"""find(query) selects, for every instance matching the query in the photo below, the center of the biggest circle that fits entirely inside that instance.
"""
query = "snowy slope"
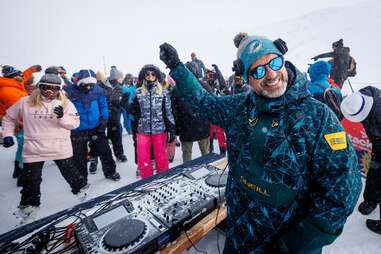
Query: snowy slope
(314, 33)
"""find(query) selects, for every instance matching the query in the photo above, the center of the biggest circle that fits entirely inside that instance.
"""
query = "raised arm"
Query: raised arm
(329, 54)
(207, 106)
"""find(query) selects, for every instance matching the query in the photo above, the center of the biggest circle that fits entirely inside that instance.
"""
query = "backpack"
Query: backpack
(352, 67)
(332, 100)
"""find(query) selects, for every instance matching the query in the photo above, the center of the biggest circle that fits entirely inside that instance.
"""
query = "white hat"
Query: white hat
(356, 107)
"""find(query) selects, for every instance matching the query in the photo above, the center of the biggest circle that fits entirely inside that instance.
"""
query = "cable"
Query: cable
(194, 246)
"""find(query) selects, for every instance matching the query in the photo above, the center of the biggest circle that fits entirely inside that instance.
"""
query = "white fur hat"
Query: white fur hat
(356, 107)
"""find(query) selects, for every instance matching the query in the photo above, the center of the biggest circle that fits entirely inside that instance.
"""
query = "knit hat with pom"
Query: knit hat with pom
(251, 48)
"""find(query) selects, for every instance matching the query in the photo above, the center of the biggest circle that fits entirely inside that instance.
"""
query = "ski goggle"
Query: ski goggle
(275, 64)
(45, 87)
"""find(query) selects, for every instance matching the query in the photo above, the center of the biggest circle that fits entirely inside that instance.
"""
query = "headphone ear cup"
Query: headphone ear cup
(281, 45)
(238, 67)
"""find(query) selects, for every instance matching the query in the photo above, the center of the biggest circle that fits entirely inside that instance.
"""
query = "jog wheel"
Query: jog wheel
(217, 180)
(123, 234)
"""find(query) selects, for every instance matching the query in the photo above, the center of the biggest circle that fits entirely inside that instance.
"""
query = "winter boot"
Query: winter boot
(121, 158)
(83, 192)
(26, 213)
(93, 165)
(374, 225)
(115, 176)
(367, 207)
(16, 170)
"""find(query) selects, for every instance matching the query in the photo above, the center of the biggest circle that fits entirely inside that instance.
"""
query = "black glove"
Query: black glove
(171, 136)
(101, 128)
(314, 58)
(215, 66)
(8, 141)
(59, 111)
(169, 56)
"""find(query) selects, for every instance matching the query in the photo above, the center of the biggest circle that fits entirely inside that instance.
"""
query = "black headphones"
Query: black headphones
(238, 66)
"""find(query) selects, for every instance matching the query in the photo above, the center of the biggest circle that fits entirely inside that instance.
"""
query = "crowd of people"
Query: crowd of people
(293, 177)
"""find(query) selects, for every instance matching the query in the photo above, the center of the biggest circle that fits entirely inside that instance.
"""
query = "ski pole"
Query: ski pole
(350, 85)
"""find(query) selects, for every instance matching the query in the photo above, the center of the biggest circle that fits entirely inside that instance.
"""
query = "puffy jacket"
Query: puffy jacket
(12, 90)
(91, 106)
(115, 94)
(319, 73)
(287, 190)
(152, 112)
(45, 136)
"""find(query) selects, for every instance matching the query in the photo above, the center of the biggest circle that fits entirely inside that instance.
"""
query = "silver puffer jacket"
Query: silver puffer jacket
(152, 111)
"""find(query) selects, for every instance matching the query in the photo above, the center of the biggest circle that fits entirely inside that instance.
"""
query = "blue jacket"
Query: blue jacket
(319, 73)
(91, 106)
(131, 90)
(290, 187)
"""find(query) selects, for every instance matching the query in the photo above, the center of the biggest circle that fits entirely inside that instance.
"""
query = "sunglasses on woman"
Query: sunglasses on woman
(275, 64)
(150, 73)
(45, 87)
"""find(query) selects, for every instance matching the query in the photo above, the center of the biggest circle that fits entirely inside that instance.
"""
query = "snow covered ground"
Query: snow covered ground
(56, 196)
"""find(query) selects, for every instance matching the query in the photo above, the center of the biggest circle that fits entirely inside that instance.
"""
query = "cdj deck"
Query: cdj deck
(142, 217)
(159, 212)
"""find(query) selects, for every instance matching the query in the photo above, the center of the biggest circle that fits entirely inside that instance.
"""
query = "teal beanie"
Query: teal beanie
(251, 48)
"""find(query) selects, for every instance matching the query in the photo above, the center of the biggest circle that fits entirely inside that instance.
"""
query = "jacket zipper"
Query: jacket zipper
(150, 111)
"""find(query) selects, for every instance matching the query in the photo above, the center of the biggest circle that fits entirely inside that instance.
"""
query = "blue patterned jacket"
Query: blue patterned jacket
(294, 193)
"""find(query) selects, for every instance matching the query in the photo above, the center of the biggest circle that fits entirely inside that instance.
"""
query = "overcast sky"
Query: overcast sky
(79, 34)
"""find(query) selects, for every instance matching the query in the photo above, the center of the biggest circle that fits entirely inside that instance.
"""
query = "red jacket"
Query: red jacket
(12, 90)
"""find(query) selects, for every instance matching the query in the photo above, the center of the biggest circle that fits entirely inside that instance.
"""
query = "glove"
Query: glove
(58, 111)
(215, 66)
(101, 128)
(8, 141)
(169, 55)
(171, 136)
(36, 68)
(314, 58)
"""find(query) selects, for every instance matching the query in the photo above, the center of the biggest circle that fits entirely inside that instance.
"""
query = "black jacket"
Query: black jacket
(189, 127)
(372, 124)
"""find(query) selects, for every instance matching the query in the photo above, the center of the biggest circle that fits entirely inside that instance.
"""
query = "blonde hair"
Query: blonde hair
(35, 98)
(158, 89)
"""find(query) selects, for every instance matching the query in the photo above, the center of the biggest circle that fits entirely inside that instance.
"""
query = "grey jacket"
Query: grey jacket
(152, 111)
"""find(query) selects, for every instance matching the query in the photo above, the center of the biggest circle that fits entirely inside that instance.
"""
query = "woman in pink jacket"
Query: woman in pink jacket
(48, 116)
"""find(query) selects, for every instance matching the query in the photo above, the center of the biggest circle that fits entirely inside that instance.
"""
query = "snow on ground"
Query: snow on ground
(56, 196)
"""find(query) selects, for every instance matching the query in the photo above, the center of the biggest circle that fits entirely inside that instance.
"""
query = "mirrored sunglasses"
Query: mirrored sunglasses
(275, 64)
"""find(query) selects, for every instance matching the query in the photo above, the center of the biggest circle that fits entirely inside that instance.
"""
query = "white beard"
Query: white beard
(277, 93)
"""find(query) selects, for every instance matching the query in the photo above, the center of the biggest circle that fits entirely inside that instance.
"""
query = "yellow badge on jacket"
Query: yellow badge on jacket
(337, 141)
